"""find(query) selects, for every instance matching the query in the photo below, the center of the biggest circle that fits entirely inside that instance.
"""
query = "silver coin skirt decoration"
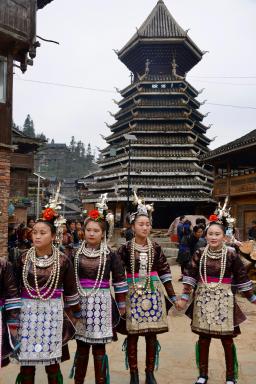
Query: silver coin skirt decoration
(95, 324)
(146, 310)
(213, 310)
(40, 333)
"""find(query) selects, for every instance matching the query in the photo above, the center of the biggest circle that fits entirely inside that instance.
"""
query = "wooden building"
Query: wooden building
(22, 168)
(17, 43)
(161, 111)
(235, 176)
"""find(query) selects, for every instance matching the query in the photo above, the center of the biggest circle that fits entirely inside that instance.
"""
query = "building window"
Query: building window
(3, 79)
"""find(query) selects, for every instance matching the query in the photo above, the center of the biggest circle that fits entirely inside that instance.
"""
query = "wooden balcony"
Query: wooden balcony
(22, 161)
(17, 26)
(235, 186)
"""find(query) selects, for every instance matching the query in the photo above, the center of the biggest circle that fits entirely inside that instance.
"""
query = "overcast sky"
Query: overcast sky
(88, 31)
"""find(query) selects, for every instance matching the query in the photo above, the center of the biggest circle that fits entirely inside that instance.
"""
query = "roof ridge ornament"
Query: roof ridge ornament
(174, 72)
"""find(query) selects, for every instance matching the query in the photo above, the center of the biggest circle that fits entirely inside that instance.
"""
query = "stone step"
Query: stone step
(170, 252)
(172, 260)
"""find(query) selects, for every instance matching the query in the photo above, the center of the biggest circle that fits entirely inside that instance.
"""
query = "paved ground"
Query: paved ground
(177, 363)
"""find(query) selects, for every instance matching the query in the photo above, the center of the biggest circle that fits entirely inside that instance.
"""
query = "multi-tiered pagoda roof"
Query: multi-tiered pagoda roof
(160, 108)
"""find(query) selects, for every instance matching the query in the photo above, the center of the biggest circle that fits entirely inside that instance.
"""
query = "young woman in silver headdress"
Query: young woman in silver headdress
(94, 263)
(47, 278)
(146, 314)
(215, 273)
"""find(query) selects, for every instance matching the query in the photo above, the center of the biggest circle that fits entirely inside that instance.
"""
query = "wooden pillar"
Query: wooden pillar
(5, 152)
(4, 199)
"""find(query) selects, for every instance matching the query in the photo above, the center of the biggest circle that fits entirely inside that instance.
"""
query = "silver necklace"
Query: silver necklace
(51, 284)
(103, 252)
(203, 265)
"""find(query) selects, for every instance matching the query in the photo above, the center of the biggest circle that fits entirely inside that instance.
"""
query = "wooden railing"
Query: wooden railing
(235, 185)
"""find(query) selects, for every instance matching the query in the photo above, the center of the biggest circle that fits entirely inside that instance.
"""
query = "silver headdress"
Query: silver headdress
(224, 217)
(55, 204)
(104, 214)
(142, 208)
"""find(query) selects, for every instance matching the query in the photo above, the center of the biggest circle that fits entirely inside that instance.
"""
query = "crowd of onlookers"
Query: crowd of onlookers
(19, 237)
(190, 238)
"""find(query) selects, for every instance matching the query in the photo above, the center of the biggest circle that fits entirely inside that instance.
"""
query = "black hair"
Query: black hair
(50, 224)
(140, 215)
(197, 227)
(200, 220)
(127, 218)
(216, 223)
(182, 217)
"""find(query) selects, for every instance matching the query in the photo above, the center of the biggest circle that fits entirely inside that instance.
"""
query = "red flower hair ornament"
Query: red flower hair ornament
(213, 218)
(94, 214)
(49, 214)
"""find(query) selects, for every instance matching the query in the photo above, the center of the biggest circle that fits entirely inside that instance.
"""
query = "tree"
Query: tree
(15, 126)
(72, 145)
(41, 136)
(82, 150)
(28, 127)
(89, 150)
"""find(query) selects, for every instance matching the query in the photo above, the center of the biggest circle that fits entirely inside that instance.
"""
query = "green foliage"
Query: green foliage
(70, 161)
(41, 136)
(28, 127)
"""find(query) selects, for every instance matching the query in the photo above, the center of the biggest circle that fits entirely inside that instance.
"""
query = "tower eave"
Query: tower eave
(185, 50)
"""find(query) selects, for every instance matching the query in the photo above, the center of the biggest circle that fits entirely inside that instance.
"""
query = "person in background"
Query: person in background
(12, 243)
(28, 230)
(80, 231)
(180, 228)
(200, 221)
(73, 231)
(184, 254)
(67, 241)
(252, 231)
(196, 239)
(128, 232)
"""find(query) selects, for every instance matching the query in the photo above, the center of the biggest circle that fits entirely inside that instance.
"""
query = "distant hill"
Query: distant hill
(61, 161)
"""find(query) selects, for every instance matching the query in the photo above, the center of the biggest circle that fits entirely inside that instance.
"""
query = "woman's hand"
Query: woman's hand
(122, 311)
(180, 305)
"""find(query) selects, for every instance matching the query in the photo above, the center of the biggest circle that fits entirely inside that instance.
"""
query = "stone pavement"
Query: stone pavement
(177, 361)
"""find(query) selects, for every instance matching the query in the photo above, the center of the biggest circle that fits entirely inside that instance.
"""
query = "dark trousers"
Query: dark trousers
(228, 345)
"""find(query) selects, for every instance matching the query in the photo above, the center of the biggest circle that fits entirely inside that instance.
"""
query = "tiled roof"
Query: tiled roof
(240, 143)
(43, 3)
(159, 24)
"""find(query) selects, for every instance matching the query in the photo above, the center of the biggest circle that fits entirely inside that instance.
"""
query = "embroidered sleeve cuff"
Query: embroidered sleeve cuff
(121, 304)
(244, 286)
(173, 298)
(71, 300)
(15, 303)
(121, 287)
(189, 280)
(185, 297)
(166, 277)
(252, 299)
(13, 323)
